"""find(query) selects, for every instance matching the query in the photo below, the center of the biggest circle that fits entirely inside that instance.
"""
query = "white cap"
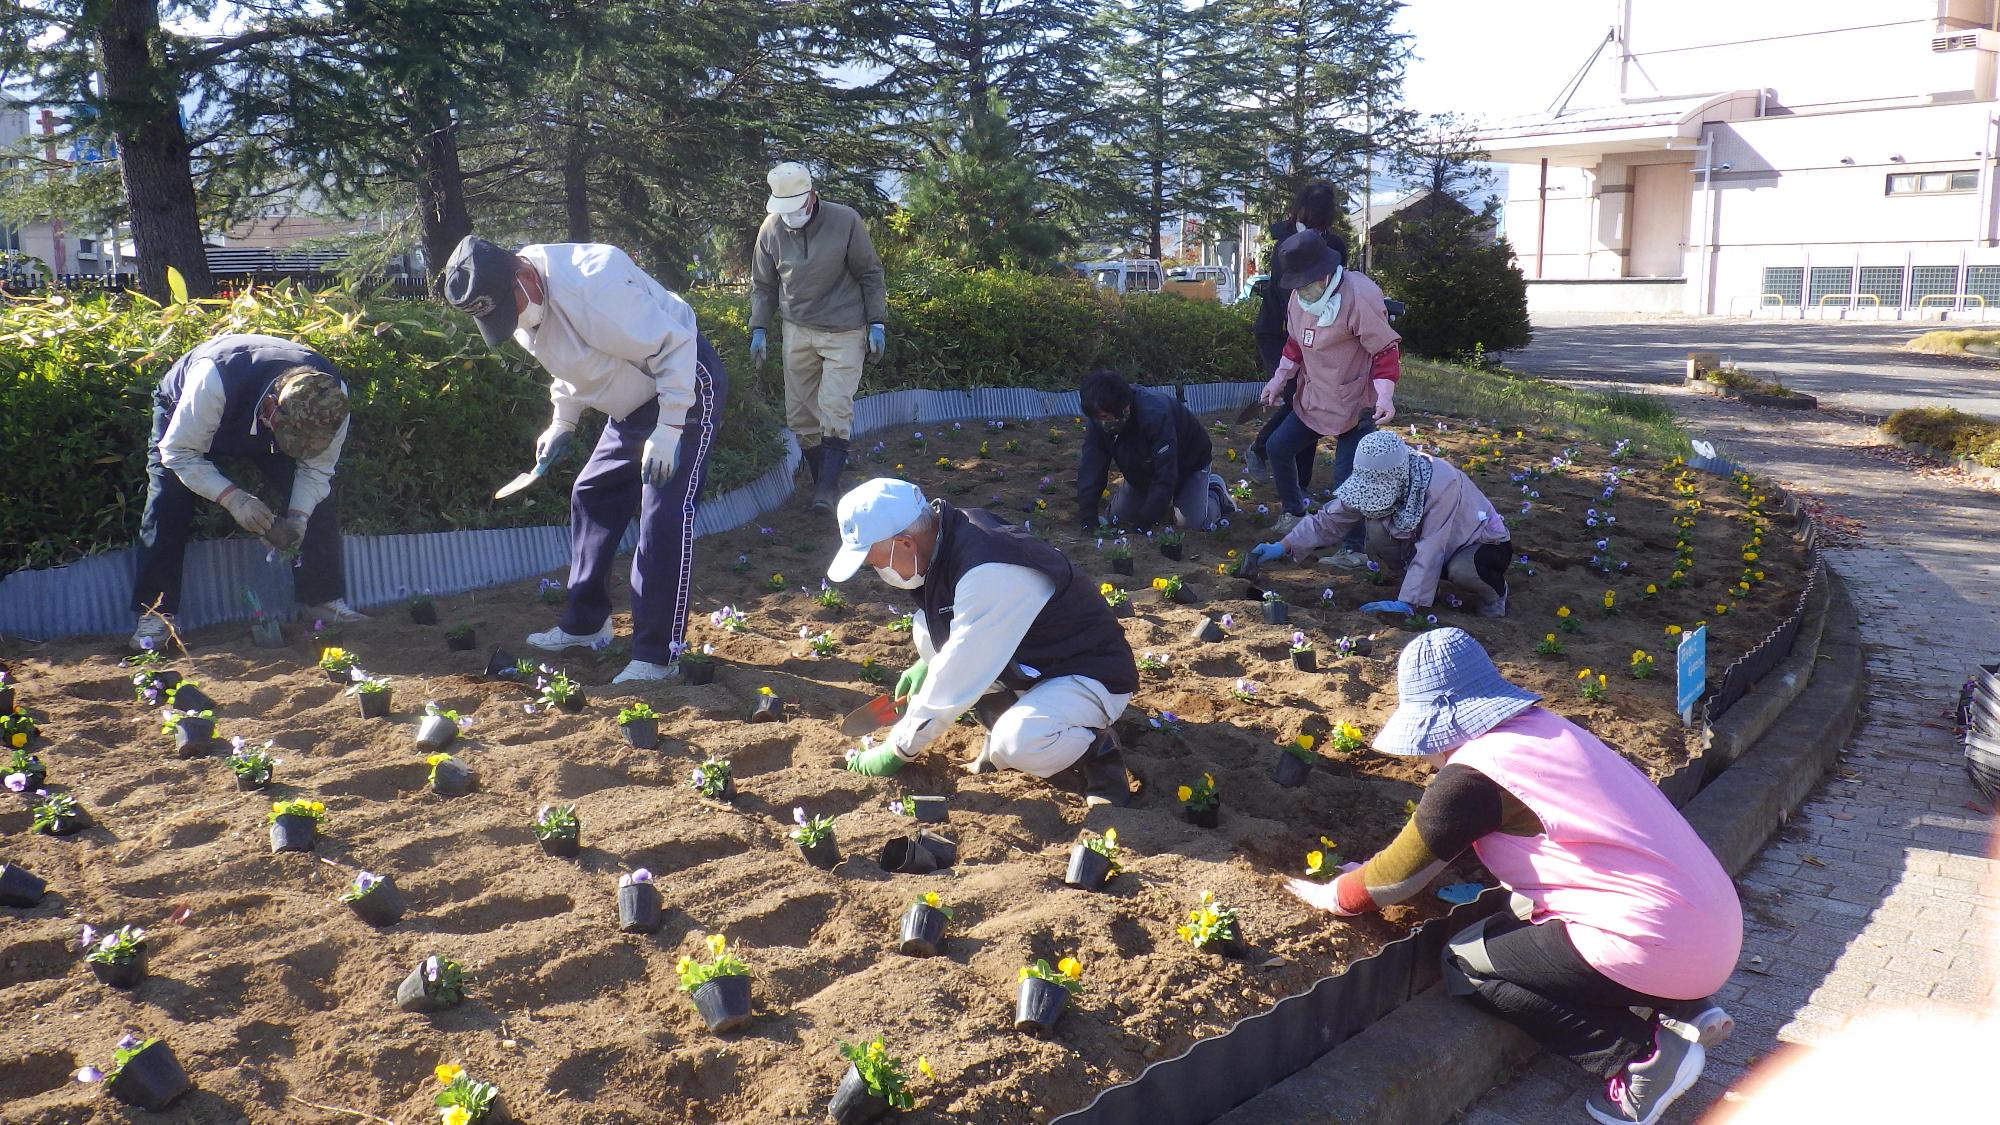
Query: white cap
(871, 512)
(790, 185)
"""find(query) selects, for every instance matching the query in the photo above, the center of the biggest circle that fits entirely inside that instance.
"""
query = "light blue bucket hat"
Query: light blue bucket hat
(1447, 693)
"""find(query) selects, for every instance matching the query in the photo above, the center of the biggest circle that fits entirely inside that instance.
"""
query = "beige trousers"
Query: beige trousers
(822, 372)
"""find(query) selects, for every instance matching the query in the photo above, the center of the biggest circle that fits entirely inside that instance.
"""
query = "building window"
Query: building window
(1884, 283)
(1787, 283)
(1932, 281)
(1983, 281)
(1933, 183)
(1833, 282)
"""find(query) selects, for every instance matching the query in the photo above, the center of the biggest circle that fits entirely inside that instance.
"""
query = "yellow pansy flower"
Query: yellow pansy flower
(1673, 630)
(764, 691)
(1104, 588)
(1208, 779)
(924, 1067)
(456, 1115)
(1314, 860)
(717, 944)
(1183, 792)
(1305, 741)
(1070, 967)
(19, 740)
(1583, 675)
(1330, 845)
(447, 1073)
(931, 899)
(1111, 835)
(434, 759)
(1562, 611)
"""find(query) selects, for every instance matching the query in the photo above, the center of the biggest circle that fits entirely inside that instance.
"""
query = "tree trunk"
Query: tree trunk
(440, 186)
(153, 151)
(575, 165)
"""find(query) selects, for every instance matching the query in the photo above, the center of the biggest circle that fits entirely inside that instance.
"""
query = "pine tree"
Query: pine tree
(978, 203)
(1171, 134)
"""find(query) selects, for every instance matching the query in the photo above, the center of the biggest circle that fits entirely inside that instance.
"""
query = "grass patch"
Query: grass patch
(1514, 399)
(1957, 341)
(1949, 431)
(1742, 382)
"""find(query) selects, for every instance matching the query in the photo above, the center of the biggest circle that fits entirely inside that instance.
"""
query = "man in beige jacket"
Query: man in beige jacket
(815, 265)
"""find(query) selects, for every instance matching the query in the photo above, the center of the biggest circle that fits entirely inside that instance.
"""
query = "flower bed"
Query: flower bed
(270, 966)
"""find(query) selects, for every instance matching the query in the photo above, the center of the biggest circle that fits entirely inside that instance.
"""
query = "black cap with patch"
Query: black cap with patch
(479, 279)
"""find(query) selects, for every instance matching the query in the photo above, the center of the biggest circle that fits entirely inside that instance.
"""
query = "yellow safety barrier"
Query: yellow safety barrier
(1771, 299)
(1850, 298)
(1950, 298)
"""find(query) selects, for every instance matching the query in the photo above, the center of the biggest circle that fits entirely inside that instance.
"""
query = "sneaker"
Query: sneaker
(1286, 523)
(557, 639)
(1703, 1021)
(1345, 559)
(644, 670)
(1499, 609)
(1257, 467)
(335, 612)
(1641, 1093)
(150, 635)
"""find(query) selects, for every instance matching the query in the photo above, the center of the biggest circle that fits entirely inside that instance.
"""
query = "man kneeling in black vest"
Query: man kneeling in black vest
(1006, 628)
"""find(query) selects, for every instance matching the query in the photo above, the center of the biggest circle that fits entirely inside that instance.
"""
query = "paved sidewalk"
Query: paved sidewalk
(1883, 892)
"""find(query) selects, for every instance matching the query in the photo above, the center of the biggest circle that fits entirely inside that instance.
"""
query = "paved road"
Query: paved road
(1884, 891)
(1854, 365)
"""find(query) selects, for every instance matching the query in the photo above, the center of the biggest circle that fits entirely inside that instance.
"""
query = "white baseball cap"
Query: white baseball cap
(790, 185)
(871, 512)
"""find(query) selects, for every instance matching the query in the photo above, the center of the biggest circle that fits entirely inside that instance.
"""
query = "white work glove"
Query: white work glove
(1385, 407)
(249, 512)
(554, 441)
(662, 454)
(287, 533)
(1273, 393)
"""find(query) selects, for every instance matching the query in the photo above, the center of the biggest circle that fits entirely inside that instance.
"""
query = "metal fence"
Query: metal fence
(227, 283)
(1881, 286)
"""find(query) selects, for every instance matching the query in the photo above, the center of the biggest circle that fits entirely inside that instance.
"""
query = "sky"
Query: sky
(1498, 58)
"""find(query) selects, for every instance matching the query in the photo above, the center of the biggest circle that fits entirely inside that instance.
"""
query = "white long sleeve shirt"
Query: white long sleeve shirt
(609, 336)
(191, 432)
(992, 609)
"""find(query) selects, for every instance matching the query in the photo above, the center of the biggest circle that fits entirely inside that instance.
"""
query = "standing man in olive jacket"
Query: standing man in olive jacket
(815, 265)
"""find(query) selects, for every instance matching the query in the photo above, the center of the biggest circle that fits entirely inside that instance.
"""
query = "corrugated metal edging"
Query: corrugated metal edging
(92, 595)
(1217, 1074)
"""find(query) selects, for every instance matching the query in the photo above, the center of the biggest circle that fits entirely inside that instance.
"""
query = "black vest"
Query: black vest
(249, 365)
(1074, 635)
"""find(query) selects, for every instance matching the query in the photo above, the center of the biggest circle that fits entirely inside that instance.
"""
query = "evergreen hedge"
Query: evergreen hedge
(440, 421)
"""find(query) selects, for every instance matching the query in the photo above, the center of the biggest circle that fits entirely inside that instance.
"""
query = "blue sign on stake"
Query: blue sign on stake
(1691, 668)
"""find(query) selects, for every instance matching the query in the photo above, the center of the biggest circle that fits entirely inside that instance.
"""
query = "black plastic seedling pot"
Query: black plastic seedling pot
(415, 994)
(1232, 947)
(1171, 550)
(824, 855)
(929, 810)
(1038, 1006)
(852, 1102)
(908, 856)
(338, 676)
(192, 699)
(69, 825)
(436, 732)
(36, 774)
(151, 1079)
(424, 614)
(1121, 566)
(698, 672)
(121, 974)
(1123, 610)
(1290, 771)
(1188, 596)
(374, 704)
(564, 847)
(923, 930)
(382, 906)
(465, 643)
(20, 888)
(639, 909)
(767, 709)
(250, 782)
(6, 701)
(1307, 661)
(1088, 869)
(193, 736)
(501, 664)
(451, 779)
(1204, 818)
(724, 1003)
(642, 733)
(574, 704)
(294, 833)
(1276, 613)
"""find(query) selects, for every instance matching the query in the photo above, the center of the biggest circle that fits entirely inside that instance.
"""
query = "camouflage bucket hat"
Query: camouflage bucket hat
(312, 406)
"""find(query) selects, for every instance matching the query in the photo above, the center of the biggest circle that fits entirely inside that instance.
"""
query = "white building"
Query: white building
(65, 249)
(1777, 159)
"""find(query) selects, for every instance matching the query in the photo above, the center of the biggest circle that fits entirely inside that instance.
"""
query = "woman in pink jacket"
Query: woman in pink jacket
(1622, 923)
(1424, 518)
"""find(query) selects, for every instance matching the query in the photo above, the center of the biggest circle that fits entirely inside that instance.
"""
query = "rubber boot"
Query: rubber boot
(833, 458)
(1101, 772)
(811, 455)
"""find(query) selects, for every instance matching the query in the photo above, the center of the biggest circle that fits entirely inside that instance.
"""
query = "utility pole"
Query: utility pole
(48, 121)
(1367, 171)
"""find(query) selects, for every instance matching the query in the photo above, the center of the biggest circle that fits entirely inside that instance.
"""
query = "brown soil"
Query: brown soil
(271, 992)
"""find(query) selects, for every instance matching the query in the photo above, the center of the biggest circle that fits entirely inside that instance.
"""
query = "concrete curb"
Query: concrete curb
(1966, 464)
(1743, 724)
(1433, 1057)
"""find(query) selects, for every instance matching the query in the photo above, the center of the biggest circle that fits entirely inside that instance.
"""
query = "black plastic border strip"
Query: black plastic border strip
(1217, 1074)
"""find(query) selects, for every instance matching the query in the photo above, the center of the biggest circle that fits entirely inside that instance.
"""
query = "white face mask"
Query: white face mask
(1325, 307)
(799, 218)
(895, 577)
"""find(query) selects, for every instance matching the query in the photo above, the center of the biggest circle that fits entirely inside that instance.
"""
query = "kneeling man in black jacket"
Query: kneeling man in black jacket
(1159, 446)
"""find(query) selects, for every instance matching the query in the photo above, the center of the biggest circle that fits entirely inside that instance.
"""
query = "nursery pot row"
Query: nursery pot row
(18, 887)
(923, 930)
(382, 906)
(151, 1079)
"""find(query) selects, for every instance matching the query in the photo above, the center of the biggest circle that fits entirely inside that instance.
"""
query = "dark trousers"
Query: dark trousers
(169, 517)
(1535, 979)
(1292, 449)
(610, 490)
(1270, 349)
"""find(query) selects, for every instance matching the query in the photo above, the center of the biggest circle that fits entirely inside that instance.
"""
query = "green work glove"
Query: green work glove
(879, 762)
(908, 683)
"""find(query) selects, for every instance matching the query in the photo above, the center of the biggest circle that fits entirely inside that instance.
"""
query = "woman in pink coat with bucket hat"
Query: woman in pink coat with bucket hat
(1621, 921)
